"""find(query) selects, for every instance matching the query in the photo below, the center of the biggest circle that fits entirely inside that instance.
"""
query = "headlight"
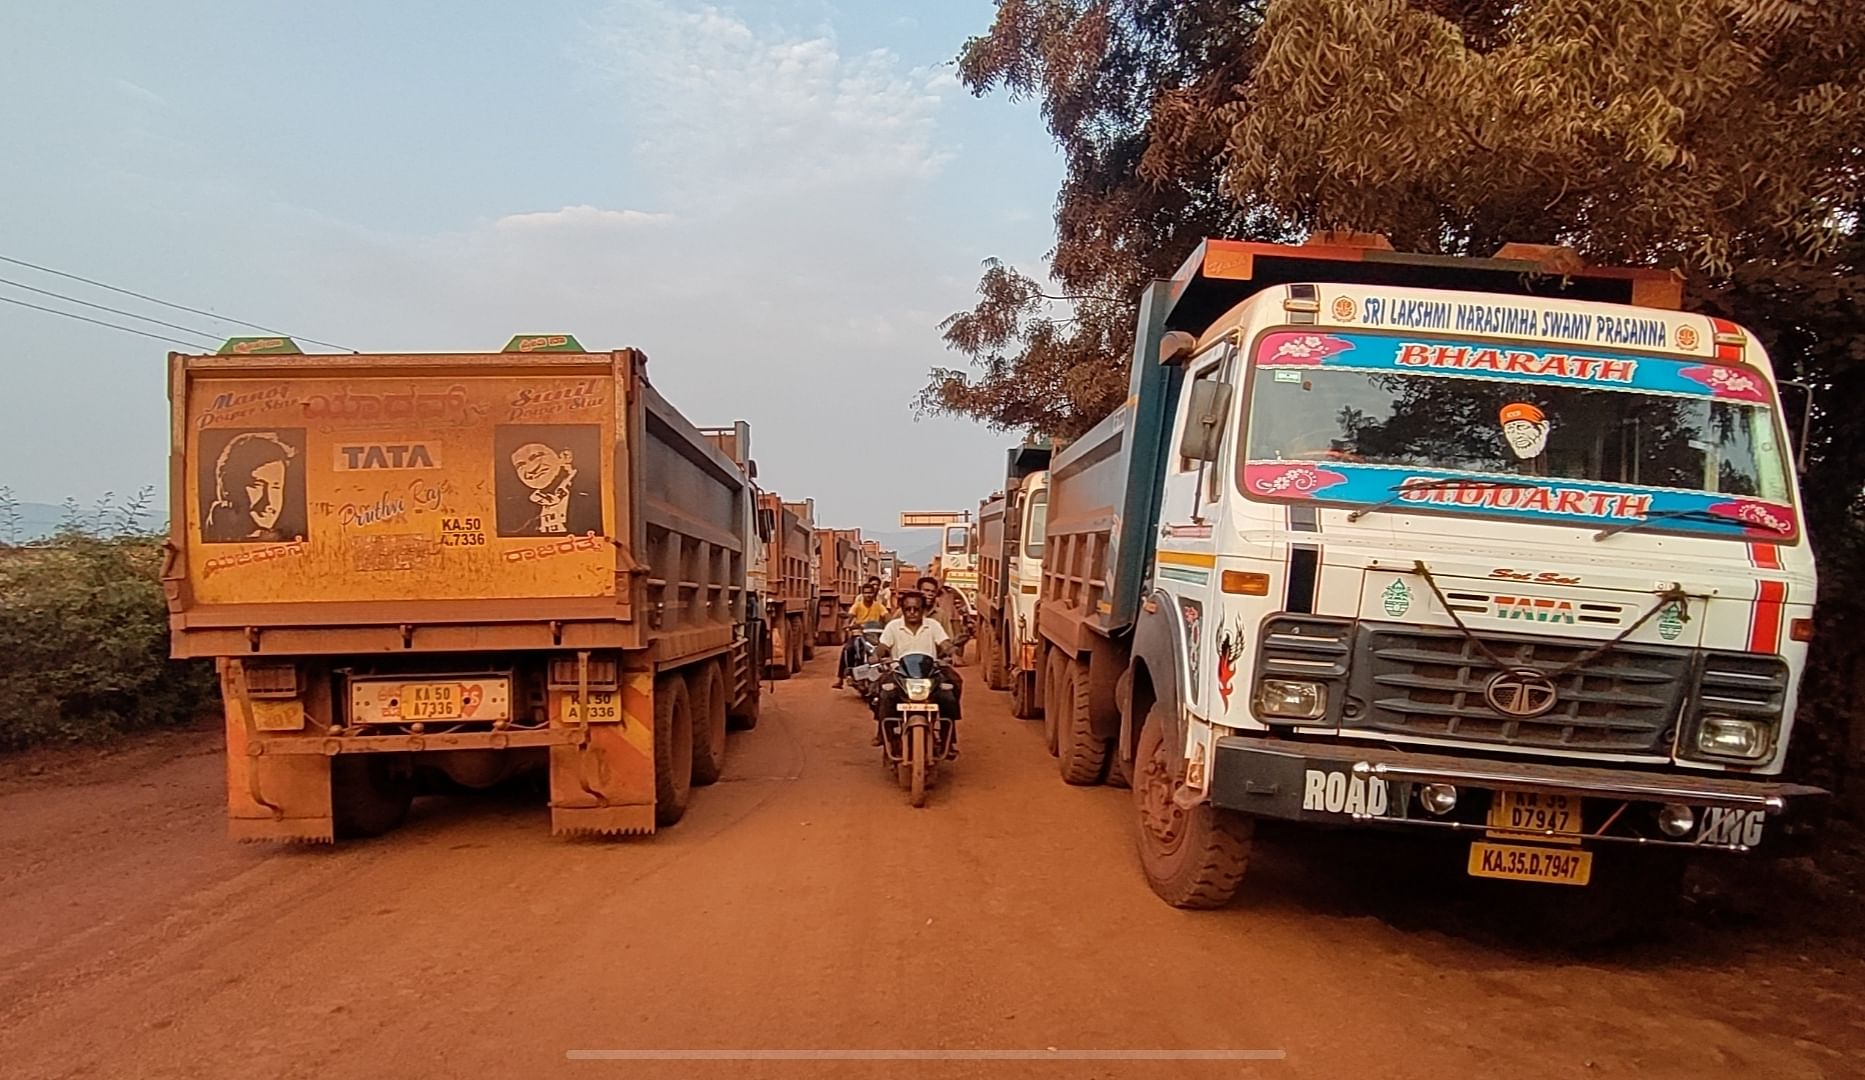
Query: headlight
(917, 689)
(1729, 736)
(1291, 699)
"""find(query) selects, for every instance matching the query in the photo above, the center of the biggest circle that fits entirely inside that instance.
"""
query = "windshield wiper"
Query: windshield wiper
(1401, 489)
(1663, 515)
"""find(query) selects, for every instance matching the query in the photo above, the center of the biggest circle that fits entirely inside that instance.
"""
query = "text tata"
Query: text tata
(1477, 358)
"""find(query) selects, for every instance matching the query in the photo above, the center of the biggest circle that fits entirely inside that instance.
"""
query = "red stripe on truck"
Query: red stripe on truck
(1764, 633)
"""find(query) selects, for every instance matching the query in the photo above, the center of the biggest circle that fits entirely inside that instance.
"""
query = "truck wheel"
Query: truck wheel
(992, 651)
(369, 794)
(673, 749)
(1053, 666)
(1023, 695)
(1082, 753)
(1192, 858)
(706, 689)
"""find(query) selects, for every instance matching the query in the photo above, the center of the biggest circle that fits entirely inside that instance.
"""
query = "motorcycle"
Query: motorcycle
(921, 734)
(862, 672)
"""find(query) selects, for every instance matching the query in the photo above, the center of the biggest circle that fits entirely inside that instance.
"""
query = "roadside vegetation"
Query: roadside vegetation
(84, 629)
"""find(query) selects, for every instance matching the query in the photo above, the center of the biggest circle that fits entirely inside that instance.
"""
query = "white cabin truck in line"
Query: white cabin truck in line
(1435, 544)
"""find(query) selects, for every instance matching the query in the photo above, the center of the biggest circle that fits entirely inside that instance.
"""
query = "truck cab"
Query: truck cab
(1411, 542)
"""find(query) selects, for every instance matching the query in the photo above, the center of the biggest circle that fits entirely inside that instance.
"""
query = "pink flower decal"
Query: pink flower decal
(1288, 479)
(1728, 382)
(1763, 518)
(1297, 348)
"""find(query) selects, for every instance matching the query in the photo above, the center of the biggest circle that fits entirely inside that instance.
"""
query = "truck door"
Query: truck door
(1186, 566)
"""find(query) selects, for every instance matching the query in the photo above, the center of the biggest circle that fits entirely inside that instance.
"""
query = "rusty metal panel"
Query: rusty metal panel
(353, 479)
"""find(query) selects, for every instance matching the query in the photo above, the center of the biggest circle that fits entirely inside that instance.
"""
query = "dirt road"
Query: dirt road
(802, 905)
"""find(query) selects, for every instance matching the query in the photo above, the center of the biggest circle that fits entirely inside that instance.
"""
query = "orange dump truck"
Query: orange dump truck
(464, 564)
(790, 594)
(840, 577)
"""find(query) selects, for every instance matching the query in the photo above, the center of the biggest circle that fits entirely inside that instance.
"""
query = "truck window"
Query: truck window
(957, 538)
(1033, 527)
(1663, 431)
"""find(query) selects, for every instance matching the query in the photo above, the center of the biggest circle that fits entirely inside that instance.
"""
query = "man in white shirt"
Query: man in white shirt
(912, 634)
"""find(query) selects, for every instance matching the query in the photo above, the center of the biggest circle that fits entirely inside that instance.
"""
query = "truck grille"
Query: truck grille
(1429, 681)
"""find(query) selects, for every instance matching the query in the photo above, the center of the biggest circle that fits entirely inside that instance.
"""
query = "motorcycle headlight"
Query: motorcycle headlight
(917, 689)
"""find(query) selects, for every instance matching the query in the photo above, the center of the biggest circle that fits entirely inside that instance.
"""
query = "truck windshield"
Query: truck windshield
(1610, 437)
(957, 538)
(1033, 529)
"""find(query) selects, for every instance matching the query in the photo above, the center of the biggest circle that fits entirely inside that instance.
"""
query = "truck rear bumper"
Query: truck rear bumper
(331, 746)
(1347, 784)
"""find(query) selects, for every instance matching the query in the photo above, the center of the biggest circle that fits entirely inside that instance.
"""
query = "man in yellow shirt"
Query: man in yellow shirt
(870, 608)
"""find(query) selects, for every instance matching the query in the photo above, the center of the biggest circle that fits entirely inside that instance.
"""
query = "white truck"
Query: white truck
(1476, 546)
(1010, 576)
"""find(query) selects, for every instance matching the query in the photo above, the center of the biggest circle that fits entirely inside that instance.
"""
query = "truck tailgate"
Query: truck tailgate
(339, 480)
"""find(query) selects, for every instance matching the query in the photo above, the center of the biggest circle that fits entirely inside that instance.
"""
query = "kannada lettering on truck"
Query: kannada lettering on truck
(1406, 542)
(403, 488)
(406, 564)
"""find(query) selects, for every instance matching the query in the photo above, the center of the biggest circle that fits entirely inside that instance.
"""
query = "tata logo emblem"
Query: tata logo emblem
(1535, 609)
(1521, 693)
(387, 456)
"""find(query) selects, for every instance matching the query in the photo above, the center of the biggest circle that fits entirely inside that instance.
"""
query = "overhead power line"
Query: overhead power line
(105, 307)
(100, 322)
(169, 304)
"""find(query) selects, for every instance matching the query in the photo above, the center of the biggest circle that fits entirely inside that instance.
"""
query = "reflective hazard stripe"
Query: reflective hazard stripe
(1764, 634)
(1765, 556)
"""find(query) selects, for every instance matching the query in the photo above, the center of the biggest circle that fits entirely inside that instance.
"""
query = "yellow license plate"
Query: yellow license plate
(430, 701)
(1535, 813)
(1513, 862)
(602, 707)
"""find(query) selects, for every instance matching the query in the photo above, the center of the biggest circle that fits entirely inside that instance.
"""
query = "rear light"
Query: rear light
(271, 680)
(604, 673)
(1800, 630)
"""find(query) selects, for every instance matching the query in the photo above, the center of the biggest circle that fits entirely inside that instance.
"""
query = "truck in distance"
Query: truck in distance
(1496, 548)
(468, 564)
(1010, 568)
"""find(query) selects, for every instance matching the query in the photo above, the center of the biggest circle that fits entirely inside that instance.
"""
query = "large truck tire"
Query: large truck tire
(1054, 664)
(1193, 858)
(369, 794)
(673, 749)
(1080, 753)
(1024, 703)
(705, 688)
(991, 649)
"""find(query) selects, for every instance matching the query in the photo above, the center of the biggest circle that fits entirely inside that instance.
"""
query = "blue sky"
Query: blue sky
(778, 201)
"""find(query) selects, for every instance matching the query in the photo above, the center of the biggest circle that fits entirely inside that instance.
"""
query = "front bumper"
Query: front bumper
(1345, 784)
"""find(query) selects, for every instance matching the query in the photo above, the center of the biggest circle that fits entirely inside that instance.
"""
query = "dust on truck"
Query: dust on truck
(791, 594)
(840, 564)
(470, 564)
(1504, 549)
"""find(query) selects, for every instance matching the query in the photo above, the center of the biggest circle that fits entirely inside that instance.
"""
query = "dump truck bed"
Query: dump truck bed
(443, 502)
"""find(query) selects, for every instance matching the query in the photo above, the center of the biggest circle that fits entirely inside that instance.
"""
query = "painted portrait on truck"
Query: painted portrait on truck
(252, 485)
(548, 479)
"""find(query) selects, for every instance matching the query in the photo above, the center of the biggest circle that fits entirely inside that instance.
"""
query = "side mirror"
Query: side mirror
(1806, 422)
(751, 469)
(767, 524)
(1204, 420)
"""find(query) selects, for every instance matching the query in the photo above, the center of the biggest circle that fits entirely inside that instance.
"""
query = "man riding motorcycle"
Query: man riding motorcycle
(912, 633)
(870, 609)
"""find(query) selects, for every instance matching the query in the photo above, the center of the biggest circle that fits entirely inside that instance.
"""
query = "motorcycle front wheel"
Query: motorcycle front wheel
(917, 755)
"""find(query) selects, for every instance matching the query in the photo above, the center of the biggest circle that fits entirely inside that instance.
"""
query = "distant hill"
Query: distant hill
(917, 546)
